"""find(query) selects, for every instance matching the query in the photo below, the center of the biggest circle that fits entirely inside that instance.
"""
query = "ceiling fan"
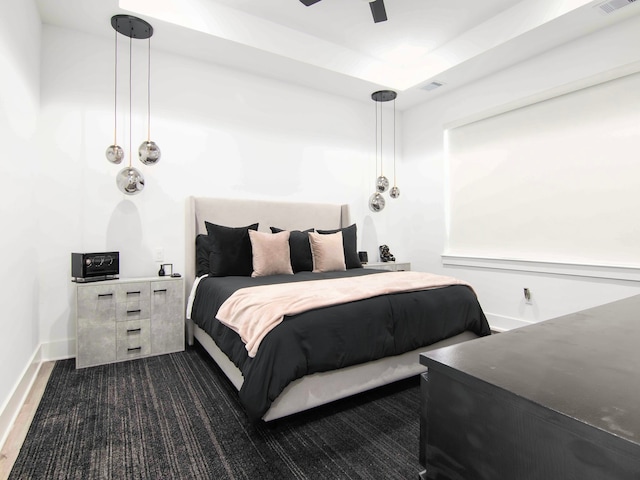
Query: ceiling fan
(377, 9)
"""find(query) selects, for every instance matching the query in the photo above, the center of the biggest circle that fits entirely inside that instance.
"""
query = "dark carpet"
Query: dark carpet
(177, 417)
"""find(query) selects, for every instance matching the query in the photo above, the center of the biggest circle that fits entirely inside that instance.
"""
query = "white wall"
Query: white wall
(501, 292)
(19, 242)
(222, 133)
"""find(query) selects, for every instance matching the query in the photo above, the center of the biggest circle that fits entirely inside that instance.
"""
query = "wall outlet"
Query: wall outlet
(159, 254)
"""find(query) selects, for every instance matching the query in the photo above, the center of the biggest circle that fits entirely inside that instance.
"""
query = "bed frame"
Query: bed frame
(311, 390)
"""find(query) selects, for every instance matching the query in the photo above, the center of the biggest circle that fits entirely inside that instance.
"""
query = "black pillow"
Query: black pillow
(230, 250)
(300, 249)
(203, 250)
(349, 244)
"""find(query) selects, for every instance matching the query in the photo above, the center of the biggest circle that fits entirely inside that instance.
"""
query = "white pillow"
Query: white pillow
(270, 253)
(327, 252)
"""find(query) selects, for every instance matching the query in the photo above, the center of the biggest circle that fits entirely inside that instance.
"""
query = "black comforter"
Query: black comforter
(333, 337)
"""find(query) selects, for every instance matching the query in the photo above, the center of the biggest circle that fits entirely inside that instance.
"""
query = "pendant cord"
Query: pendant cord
(376, 110)
(394, 142)
(381, 149)
(149, 92)
(130, 119)
(115, 91)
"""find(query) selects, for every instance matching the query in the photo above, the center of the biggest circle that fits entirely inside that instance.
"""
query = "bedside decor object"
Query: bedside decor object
(162, 272)
(130, 180)
(364, 257)
(93, 267)
(376, 200)
(385, 254)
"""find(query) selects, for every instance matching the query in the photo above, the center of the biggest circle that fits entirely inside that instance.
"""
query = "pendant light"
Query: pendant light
(376, 200)
(130, 180)
(149, 152)
(395, 191)
(114, 152)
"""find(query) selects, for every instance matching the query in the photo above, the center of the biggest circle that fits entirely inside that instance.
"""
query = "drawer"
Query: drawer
(133, 339)
(134, 309)
(132, 292)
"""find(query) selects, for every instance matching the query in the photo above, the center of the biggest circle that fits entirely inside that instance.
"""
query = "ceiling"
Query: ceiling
(335, 46)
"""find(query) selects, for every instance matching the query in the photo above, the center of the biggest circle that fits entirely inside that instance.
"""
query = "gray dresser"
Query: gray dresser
(119, 320)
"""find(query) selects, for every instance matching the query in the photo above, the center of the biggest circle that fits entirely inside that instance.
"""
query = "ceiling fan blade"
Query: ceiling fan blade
(308, 3)
(378, 11)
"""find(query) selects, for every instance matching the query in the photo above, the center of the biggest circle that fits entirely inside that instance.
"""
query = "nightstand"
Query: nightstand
(118, 320)
(392, 266)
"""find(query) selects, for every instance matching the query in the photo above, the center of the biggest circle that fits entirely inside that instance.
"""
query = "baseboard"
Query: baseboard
(50, 351)
(59, 350)
(12, 407)
(500, 323)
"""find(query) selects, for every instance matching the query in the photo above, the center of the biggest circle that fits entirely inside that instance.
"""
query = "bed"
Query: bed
(345, 371)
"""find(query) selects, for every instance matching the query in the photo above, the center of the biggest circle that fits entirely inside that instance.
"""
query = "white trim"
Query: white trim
(610, 272)
(500, 323)
(12, 406)
(58, 350)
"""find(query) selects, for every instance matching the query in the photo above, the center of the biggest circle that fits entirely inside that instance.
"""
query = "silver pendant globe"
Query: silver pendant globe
(376, 202)
(149, 153)
(130, 181)
(382, 184)
(115, 154)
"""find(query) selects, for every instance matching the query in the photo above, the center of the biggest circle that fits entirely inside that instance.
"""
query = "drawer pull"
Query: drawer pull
(164, 290)
(134, 349)
(133, 311)
(134, 293)
(134, 330)
(100, 295)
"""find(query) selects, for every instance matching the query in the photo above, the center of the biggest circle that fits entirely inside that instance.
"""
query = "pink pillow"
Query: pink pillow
(327, 252)
(270, 253)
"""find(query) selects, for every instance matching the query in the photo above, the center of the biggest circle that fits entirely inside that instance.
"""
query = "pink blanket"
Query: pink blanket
(253, 312)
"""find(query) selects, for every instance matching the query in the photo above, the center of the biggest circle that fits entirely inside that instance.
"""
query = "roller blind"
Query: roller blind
(558, 180)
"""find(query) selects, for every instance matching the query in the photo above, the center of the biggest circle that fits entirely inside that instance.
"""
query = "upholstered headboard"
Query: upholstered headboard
(238, 213)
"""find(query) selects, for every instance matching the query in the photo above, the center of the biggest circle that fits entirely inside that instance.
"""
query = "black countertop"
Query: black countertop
(584, 366)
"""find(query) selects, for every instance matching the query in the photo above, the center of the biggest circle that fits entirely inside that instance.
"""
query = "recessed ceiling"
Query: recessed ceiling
(334, 45)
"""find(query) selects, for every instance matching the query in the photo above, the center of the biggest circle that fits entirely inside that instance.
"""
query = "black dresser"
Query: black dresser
(558, 399)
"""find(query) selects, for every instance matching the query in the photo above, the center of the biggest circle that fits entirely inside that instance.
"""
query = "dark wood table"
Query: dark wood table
(559, 399)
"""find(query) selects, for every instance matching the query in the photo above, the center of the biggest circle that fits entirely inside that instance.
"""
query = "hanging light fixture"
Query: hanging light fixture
(149, 152)
(376, 200)
(395, 191)
(114, 152)
(130, 180)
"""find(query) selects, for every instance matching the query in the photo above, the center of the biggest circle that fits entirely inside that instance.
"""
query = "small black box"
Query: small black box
(91, 267)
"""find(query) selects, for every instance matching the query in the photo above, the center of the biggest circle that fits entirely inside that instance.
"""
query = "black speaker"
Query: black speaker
(363, 256)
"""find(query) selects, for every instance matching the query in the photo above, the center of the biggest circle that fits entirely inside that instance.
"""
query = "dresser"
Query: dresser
(118, 320)
(559, 399)
(391, 266)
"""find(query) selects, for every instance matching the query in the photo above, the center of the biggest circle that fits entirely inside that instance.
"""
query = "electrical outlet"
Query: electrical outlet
(527, 296)
(159, 254)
